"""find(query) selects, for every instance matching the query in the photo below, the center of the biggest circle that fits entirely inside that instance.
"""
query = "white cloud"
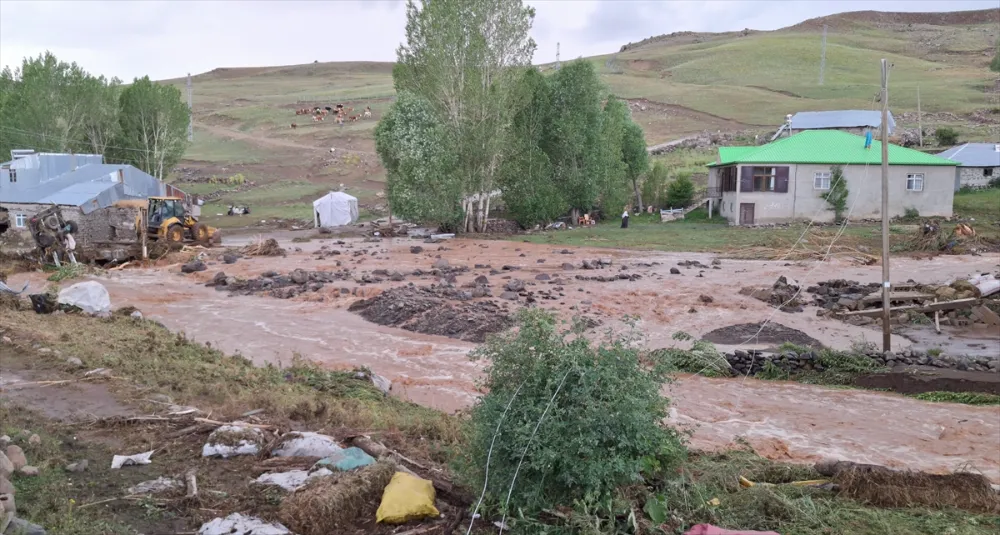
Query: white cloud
(168, 39)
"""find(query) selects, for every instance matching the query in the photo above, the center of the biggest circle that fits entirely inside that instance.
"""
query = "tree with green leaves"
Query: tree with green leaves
(422, 173)
(836, 196)
(153, 126)
(680, 191)
(529, 194)
(50, 105)
(635, 156)
(610, 166)
(573, 142)
(463, 58)
(652, 186)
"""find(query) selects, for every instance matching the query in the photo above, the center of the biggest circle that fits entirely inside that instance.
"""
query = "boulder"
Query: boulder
(90, 296)
(6, 487)
(416, 249)
(6, 467)
(20, 526)
(568, 267)
(229, 258)
(510, 296)
(441, 263)
(675, 271)
(29, 470)
(16, 456)
(299, 276)
(192, 267)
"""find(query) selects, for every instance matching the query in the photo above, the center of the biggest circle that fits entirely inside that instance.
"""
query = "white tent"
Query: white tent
(334, 209)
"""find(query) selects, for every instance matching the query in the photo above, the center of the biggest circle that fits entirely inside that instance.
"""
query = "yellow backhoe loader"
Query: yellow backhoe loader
(167, 218)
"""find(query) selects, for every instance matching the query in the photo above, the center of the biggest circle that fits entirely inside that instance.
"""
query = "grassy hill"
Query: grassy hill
(678, 84)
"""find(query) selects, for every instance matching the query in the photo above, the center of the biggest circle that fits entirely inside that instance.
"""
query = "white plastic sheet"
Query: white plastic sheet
(237, 524)
(245, 446)
(293, 479)
(308, 444)
(119, 461)
(90, 296)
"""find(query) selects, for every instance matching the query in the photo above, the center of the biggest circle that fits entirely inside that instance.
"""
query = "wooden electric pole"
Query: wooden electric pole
(920, 123)
(886, 335)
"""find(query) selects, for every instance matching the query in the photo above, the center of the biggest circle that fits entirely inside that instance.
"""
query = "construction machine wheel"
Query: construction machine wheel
(175, 233)
(199, 232)
(44, 240)
(51, 222)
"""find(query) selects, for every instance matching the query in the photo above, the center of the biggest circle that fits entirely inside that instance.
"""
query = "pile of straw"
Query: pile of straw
(330, 504)
(262, 247)
(882, 487)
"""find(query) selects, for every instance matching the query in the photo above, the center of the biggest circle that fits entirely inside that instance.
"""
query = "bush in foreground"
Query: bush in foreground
(575, 421)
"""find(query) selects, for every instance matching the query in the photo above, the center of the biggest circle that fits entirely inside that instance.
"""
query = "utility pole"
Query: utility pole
(190, 112)
(920, 124)
(886, 334)
(822, 57)
(557, 56)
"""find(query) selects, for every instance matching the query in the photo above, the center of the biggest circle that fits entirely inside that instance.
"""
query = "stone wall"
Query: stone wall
(95, 231)
(752, 362)
(975, 177)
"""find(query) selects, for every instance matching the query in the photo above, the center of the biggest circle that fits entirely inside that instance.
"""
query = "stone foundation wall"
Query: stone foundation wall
(975, 177)
(752, 362)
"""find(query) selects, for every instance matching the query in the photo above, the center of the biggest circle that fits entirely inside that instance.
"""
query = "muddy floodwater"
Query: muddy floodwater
(782, 421)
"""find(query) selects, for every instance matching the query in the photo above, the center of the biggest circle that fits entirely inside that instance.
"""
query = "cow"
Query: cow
(328, 109)
(353, 118)
(317, 118)
(294, 126)
(368, 112)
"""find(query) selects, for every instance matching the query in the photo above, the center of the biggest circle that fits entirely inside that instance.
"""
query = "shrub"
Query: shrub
(680, 192)
(588, 416)
(911, 214)
(995, 64)
(652, 187)
(836, 196)
(946, 136)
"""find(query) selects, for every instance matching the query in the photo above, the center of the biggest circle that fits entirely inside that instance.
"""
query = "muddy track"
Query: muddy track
(270, 141)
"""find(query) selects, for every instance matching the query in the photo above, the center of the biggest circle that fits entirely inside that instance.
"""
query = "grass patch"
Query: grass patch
(194, 374)
(52, 498)
(967, 398)
(208, 147)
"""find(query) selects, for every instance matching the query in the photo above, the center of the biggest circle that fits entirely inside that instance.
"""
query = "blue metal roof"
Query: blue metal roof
(974, 155)
(815, 120)
(102, 183)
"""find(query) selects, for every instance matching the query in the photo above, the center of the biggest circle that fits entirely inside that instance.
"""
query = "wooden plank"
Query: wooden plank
(898, 296)
(946, 305)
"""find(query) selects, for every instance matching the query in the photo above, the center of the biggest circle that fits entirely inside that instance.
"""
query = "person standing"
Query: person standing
(625, 218)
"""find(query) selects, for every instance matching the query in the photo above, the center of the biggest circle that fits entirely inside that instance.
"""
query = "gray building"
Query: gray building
(851, 121)
(978, 164)
(83, 185)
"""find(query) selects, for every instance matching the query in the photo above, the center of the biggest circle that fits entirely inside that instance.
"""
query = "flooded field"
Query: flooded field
(782, 421)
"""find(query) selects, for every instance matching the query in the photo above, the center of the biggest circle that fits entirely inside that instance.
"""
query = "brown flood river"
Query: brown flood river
(781, 420)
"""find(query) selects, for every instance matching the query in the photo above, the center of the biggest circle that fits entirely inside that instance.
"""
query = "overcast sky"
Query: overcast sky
(168, 39)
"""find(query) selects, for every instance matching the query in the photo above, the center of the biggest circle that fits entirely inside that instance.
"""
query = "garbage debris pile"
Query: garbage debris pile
(959, 303)
(962, 239)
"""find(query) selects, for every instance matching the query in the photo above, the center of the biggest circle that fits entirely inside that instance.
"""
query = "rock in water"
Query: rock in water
(192, 267)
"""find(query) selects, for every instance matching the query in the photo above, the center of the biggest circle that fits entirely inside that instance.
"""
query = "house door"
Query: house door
(746, 213)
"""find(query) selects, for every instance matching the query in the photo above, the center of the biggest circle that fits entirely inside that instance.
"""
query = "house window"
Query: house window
(915, 182)
(764, 178)
(20, 220)
(821, 181)
(13, 175)
(728, 178)
(988, 171)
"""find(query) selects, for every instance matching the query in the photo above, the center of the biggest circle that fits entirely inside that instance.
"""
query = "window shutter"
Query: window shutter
(781, 180)
(746, 178)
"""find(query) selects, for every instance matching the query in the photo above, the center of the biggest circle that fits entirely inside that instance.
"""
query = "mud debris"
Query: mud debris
(781, 295)
(437, 310)
(760, 333)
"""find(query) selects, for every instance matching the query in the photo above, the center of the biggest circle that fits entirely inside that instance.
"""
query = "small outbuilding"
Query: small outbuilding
(335, 209)
(978, 164)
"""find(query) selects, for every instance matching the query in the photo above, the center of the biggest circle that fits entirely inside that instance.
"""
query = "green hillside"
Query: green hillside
(678, 84)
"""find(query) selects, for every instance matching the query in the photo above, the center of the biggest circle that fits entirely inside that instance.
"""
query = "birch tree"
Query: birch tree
(153, 126)
(462, 57)
(636, 157)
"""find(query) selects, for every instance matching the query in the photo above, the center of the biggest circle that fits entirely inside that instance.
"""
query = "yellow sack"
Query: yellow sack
(406, 498)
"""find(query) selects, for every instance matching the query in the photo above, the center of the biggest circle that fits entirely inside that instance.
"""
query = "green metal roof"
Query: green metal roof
(831, 147)
(728, 155)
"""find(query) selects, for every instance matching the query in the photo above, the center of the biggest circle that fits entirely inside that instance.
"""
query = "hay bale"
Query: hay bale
(268, 247)
(882, 487)
(330, 504)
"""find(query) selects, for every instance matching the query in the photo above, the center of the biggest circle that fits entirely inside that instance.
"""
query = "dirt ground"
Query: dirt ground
(783, 421)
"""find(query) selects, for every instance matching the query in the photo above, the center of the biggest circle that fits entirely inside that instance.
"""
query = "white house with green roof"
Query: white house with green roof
(782, 181)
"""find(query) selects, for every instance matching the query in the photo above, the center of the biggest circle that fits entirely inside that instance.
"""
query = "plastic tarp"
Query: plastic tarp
(335, 209)
(308, 444)
(237, 524)
(91, 297)
(347, 460)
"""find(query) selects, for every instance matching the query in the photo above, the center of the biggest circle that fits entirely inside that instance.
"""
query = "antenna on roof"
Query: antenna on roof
(822, 57)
